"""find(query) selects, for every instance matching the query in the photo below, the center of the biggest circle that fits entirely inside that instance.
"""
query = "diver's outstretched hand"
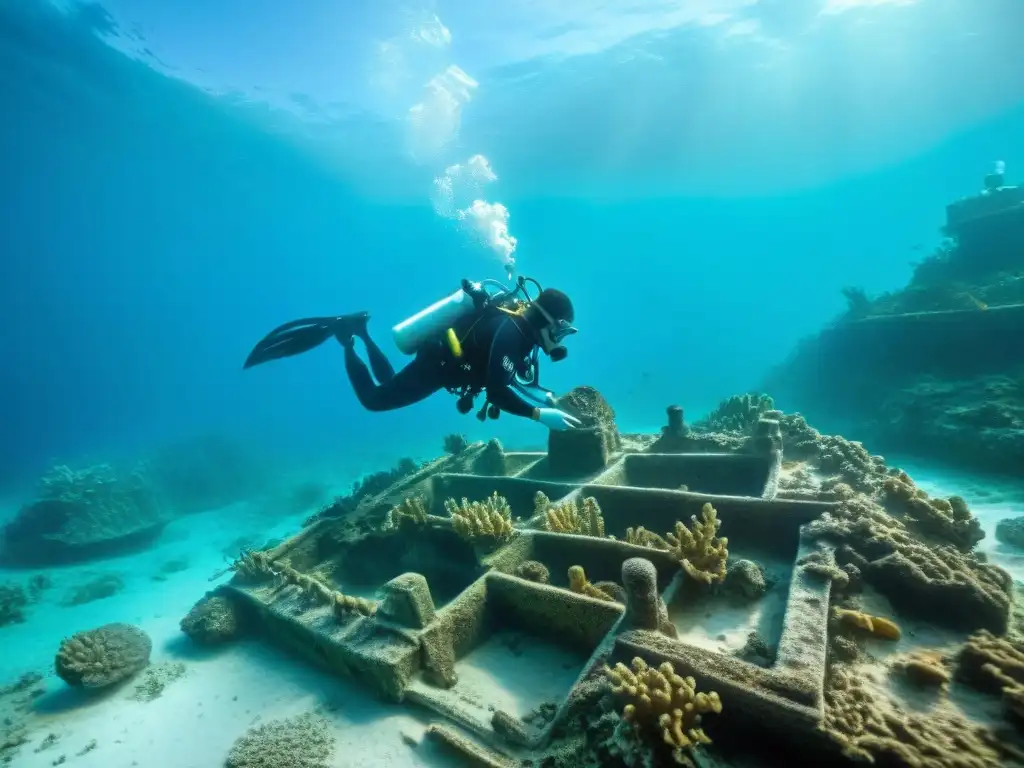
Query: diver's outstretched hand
(557, 420)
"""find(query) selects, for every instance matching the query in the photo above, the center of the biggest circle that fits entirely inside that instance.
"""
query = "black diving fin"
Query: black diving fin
(299, 336)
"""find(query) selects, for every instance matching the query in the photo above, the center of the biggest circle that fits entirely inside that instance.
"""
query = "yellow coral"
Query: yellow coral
(567, 517)
(317, 589)
(641, 537)
(660, 699)
(701, 553)
(491, 519)
(579, 583)
(877, 626)
(411, 513)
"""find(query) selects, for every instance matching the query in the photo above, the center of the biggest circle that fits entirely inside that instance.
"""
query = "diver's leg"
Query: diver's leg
(417, 381)
(379, 363)
(355, 325)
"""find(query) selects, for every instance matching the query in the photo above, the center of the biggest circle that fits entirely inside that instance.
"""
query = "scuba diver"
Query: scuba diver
(485, 337)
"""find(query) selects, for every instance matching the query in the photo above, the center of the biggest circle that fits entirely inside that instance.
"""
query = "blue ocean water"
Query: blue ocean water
(175, 182)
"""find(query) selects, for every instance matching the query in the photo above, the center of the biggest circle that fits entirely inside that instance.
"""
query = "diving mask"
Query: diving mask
(552, 334)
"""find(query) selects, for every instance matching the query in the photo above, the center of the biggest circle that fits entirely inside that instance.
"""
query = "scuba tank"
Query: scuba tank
(430, 323)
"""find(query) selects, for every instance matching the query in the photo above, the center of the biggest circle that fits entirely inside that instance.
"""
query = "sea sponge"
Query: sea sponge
(641, 537)
(702, 554)
(582, 520)
(489, 520)
(923, 668)
(746, 579)
(659, 700)
(877, 626)
(578, 583)
(103, 656)
(214, 619)
(298, 742)
(531, 570)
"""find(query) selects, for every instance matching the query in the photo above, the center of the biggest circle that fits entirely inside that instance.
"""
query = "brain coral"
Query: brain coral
(103, 656)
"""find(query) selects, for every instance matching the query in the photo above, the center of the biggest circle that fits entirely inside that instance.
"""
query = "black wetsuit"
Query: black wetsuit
(495, 347)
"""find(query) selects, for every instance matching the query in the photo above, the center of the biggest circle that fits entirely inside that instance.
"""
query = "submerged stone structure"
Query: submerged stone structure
(451, 570)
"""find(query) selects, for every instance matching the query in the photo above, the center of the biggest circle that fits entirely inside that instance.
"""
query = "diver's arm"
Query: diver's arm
(503, 359)
(535, 393)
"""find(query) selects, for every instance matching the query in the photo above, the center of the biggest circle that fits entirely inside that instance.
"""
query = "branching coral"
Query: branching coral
(701, 552)
(13, 600)
(579, 583)
(582, 520)
(411, 513)
(661, 700)
(490, 520)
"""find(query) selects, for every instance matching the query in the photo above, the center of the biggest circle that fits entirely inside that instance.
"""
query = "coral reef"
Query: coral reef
(213, 620)
(101, 657)
(973, 421)
(84, 513)
(97, 588)
(17, 714)
(156, 679)
(661, 702)
(581, 519)
(1010, 531)
(304, 741)
(702, 554)
(995, 665)
(579, 583)
(455, 443)
(699, 549)
(531, 570)
(940, 583)
(489, 522)
(947, 520)
(13, 601)
(871, 728)
(738, 413)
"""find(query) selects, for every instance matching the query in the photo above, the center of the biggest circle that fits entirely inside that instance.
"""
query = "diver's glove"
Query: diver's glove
(557, 420)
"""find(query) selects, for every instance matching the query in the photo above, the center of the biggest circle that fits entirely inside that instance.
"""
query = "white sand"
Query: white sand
(197, 718)
(517, 682)
(723, 623)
